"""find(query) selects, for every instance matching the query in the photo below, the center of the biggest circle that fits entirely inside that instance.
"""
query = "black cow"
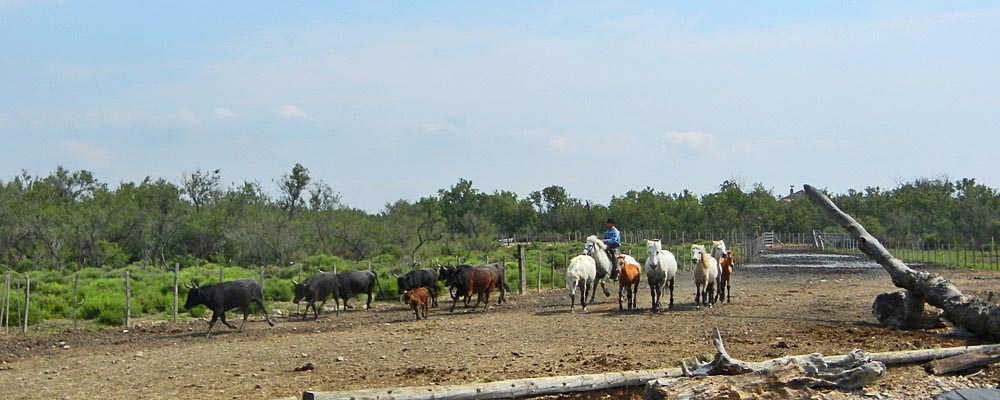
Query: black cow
(353, 283)
(316, 289)
(419, 278)
(227, 296)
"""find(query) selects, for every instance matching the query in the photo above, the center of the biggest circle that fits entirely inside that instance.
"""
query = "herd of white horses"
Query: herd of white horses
(712, 271)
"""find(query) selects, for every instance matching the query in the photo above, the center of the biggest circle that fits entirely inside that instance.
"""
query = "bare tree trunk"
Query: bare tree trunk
(974, 315)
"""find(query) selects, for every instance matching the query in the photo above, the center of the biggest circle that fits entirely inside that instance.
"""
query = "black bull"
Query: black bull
(343, 286)
(426, 277)
(225, 296)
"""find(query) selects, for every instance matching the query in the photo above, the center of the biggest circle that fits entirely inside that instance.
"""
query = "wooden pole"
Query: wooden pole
(552, 274)
(128, 298)
(522, 280)
(76, 286)
(220, 273)
(177, 275)
(539, 285)
(27, 299)
(6, 304)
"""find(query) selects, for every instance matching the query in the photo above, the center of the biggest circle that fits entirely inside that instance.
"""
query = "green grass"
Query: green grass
(101, 293)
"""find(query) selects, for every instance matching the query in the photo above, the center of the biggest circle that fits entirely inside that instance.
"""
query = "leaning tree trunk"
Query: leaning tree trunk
(974, 315)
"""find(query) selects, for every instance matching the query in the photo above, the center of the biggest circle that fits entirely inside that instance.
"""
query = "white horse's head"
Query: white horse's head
(588, 248)
(697, 252)
(596, 242)
(653, 248)
(719, 249)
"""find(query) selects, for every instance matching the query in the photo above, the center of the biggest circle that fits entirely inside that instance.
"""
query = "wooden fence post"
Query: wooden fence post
(552, 274)
(76, 285)
(220, 273)
(27, 300)
(6, 304)
(522, 280)
(177, 273)
(128, 298)
(539, 285)
(262, 274)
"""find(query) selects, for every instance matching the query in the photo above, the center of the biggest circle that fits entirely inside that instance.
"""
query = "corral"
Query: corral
(786, 303)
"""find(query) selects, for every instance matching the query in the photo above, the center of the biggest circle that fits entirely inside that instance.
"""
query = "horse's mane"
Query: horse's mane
(655, 243)
(597, 242)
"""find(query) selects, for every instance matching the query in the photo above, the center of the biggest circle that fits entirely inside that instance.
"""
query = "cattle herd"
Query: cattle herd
(420, 288)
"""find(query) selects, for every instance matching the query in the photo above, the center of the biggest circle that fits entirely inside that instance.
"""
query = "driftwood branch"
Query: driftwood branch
(976, 316)
(585, 383)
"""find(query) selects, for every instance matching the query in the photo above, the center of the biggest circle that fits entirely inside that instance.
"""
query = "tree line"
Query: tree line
(70, 220)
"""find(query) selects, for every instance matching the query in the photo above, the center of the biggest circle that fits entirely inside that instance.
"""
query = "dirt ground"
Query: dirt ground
(788, 304)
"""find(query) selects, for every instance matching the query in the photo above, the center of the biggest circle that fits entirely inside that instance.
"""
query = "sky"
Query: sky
(396, 100)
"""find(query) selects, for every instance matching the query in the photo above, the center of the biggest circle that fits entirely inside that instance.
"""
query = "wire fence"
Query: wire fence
(973, 254)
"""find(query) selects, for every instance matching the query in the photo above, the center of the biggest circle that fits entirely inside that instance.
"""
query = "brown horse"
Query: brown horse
(727, 264)
(628, 281)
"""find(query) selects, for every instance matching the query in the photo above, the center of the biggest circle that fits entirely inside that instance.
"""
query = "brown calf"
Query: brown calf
(418, 298)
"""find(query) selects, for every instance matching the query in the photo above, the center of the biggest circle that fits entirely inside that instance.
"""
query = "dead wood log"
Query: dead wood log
(792, 378)
(584, 383)
(722, 364)
(976, 316)
(962, 362)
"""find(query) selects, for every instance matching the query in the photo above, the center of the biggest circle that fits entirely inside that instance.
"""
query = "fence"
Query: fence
(961, 254)
(117, 297)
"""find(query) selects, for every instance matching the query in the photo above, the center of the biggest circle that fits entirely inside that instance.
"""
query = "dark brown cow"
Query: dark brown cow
(478, 280)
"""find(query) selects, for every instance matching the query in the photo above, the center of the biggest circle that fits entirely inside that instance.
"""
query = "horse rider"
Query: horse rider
(613, 239)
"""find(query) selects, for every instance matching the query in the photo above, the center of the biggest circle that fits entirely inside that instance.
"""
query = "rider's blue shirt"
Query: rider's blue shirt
(612, 236)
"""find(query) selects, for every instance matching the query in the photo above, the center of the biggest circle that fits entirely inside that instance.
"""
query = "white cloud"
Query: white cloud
(224, 113)
(444, 126)
(560, 143)
(85, 151)
(187, 116)
(290, 111)
(692, 139)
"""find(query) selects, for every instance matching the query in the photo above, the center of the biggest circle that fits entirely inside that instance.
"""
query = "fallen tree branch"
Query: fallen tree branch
(979, 317)
(590, 382)
(962, 362)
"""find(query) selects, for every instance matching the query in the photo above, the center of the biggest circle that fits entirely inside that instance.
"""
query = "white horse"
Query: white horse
(661, 268)
(596, 248)
(706, 273)
(718, 253)
(581, 273)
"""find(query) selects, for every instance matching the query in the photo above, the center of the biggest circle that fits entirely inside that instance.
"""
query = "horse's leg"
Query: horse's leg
(592, 286)
(368, 306)
(607, 293)
(710, 293)
(671, 283)
(583, 300)
(635, 293)
(621, 294)
(697, 294)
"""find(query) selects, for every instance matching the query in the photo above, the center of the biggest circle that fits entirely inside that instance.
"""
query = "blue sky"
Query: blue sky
(387, 100)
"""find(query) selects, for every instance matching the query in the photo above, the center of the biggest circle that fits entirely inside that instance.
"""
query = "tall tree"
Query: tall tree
(292, 186)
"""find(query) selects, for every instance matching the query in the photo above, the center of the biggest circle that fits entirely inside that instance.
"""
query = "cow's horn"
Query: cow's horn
(294, 282)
